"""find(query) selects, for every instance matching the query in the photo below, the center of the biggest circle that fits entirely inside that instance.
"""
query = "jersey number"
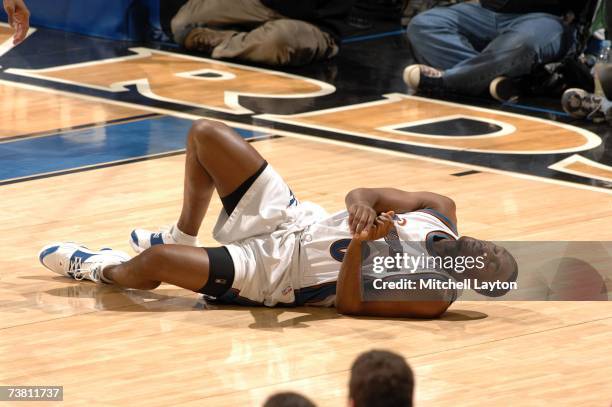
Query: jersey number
(337, 250)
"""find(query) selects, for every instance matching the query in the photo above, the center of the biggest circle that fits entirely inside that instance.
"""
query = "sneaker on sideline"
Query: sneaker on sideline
(581, 104)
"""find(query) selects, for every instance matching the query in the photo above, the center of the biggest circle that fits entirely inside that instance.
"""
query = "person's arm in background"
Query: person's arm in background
(18, 18)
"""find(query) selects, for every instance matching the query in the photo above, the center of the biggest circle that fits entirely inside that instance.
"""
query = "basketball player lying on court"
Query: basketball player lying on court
(277, 250)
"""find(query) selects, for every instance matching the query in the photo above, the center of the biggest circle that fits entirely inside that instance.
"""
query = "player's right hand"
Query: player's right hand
(361, 217)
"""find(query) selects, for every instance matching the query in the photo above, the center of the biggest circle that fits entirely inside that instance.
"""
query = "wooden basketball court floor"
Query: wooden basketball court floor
(167, 347)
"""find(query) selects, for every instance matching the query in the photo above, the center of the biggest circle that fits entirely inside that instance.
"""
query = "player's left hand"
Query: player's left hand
(380, 228)
(18, 18)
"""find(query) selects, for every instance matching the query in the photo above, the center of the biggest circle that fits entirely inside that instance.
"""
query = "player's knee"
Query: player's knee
(206, 131)
(203, 127)
(150, 261)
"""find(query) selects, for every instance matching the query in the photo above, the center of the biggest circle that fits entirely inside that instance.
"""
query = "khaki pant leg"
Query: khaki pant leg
(219, 13)
(279, 42)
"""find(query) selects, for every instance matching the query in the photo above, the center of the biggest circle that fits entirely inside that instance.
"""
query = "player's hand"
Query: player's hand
(18, 18)
(380, 228)
(361, 217)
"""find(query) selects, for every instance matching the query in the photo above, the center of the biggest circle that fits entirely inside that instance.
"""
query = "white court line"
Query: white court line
(231, 98)
(8, 45)
(592, 140)
(267, 130)
(562, 165)
(505, 128)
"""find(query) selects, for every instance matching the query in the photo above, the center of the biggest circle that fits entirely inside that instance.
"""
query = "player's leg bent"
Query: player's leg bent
(225, 156)
(217, 158)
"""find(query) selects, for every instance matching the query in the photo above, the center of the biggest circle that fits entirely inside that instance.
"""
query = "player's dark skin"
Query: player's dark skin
(218, 158)
(371, 213)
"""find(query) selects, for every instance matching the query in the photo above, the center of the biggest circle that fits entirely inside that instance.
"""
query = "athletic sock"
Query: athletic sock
(181, 237)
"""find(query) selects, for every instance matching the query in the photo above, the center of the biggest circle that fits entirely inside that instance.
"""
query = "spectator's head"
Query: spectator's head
(288, 399)
(381, 378)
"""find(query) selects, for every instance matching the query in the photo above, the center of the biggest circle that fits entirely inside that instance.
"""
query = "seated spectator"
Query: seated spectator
(274, 32)
(380, 379)
(471, 47)
(288, 399)
(581, 104)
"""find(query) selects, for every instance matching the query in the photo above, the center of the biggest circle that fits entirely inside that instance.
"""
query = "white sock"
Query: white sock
(181, 237)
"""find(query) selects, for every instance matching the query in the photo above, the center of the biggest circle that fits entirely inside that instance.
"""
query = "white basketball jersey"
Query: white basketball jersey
(323, 244)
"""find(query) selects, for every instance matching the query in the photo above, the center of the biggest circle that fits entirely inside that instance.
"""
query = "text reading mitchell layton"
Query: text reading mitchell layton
(406, 263)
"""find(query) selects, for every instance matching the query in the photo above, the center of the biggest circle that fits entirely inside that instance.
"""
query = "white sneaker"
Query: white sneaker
(78, 262)
(581, 104)
(142, 239)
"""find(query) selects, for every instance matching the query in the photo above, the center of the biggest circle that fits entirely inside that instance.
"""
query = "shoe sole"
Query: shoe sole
(408, 79)
(495, 94)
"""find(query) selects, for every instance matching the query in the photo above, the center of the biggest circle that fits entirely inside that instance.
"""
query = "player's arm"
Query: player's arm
(363, 204)
(349, 299)
(18, 18)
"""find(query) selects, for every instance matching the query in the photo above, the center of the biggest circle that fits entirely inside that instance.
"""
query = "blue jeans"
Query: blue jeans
(474, 45)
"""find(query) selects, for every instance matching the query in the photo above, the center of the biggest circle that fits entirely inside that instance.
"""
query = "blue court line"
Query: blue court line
(348, 40)
(372, 36)
(536, 109)
(67, 151)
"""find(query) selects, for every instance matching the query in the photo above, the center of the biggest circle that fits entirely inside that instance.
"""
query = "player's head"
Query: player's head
(498, 264)
(288, 399)
(380, 378)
